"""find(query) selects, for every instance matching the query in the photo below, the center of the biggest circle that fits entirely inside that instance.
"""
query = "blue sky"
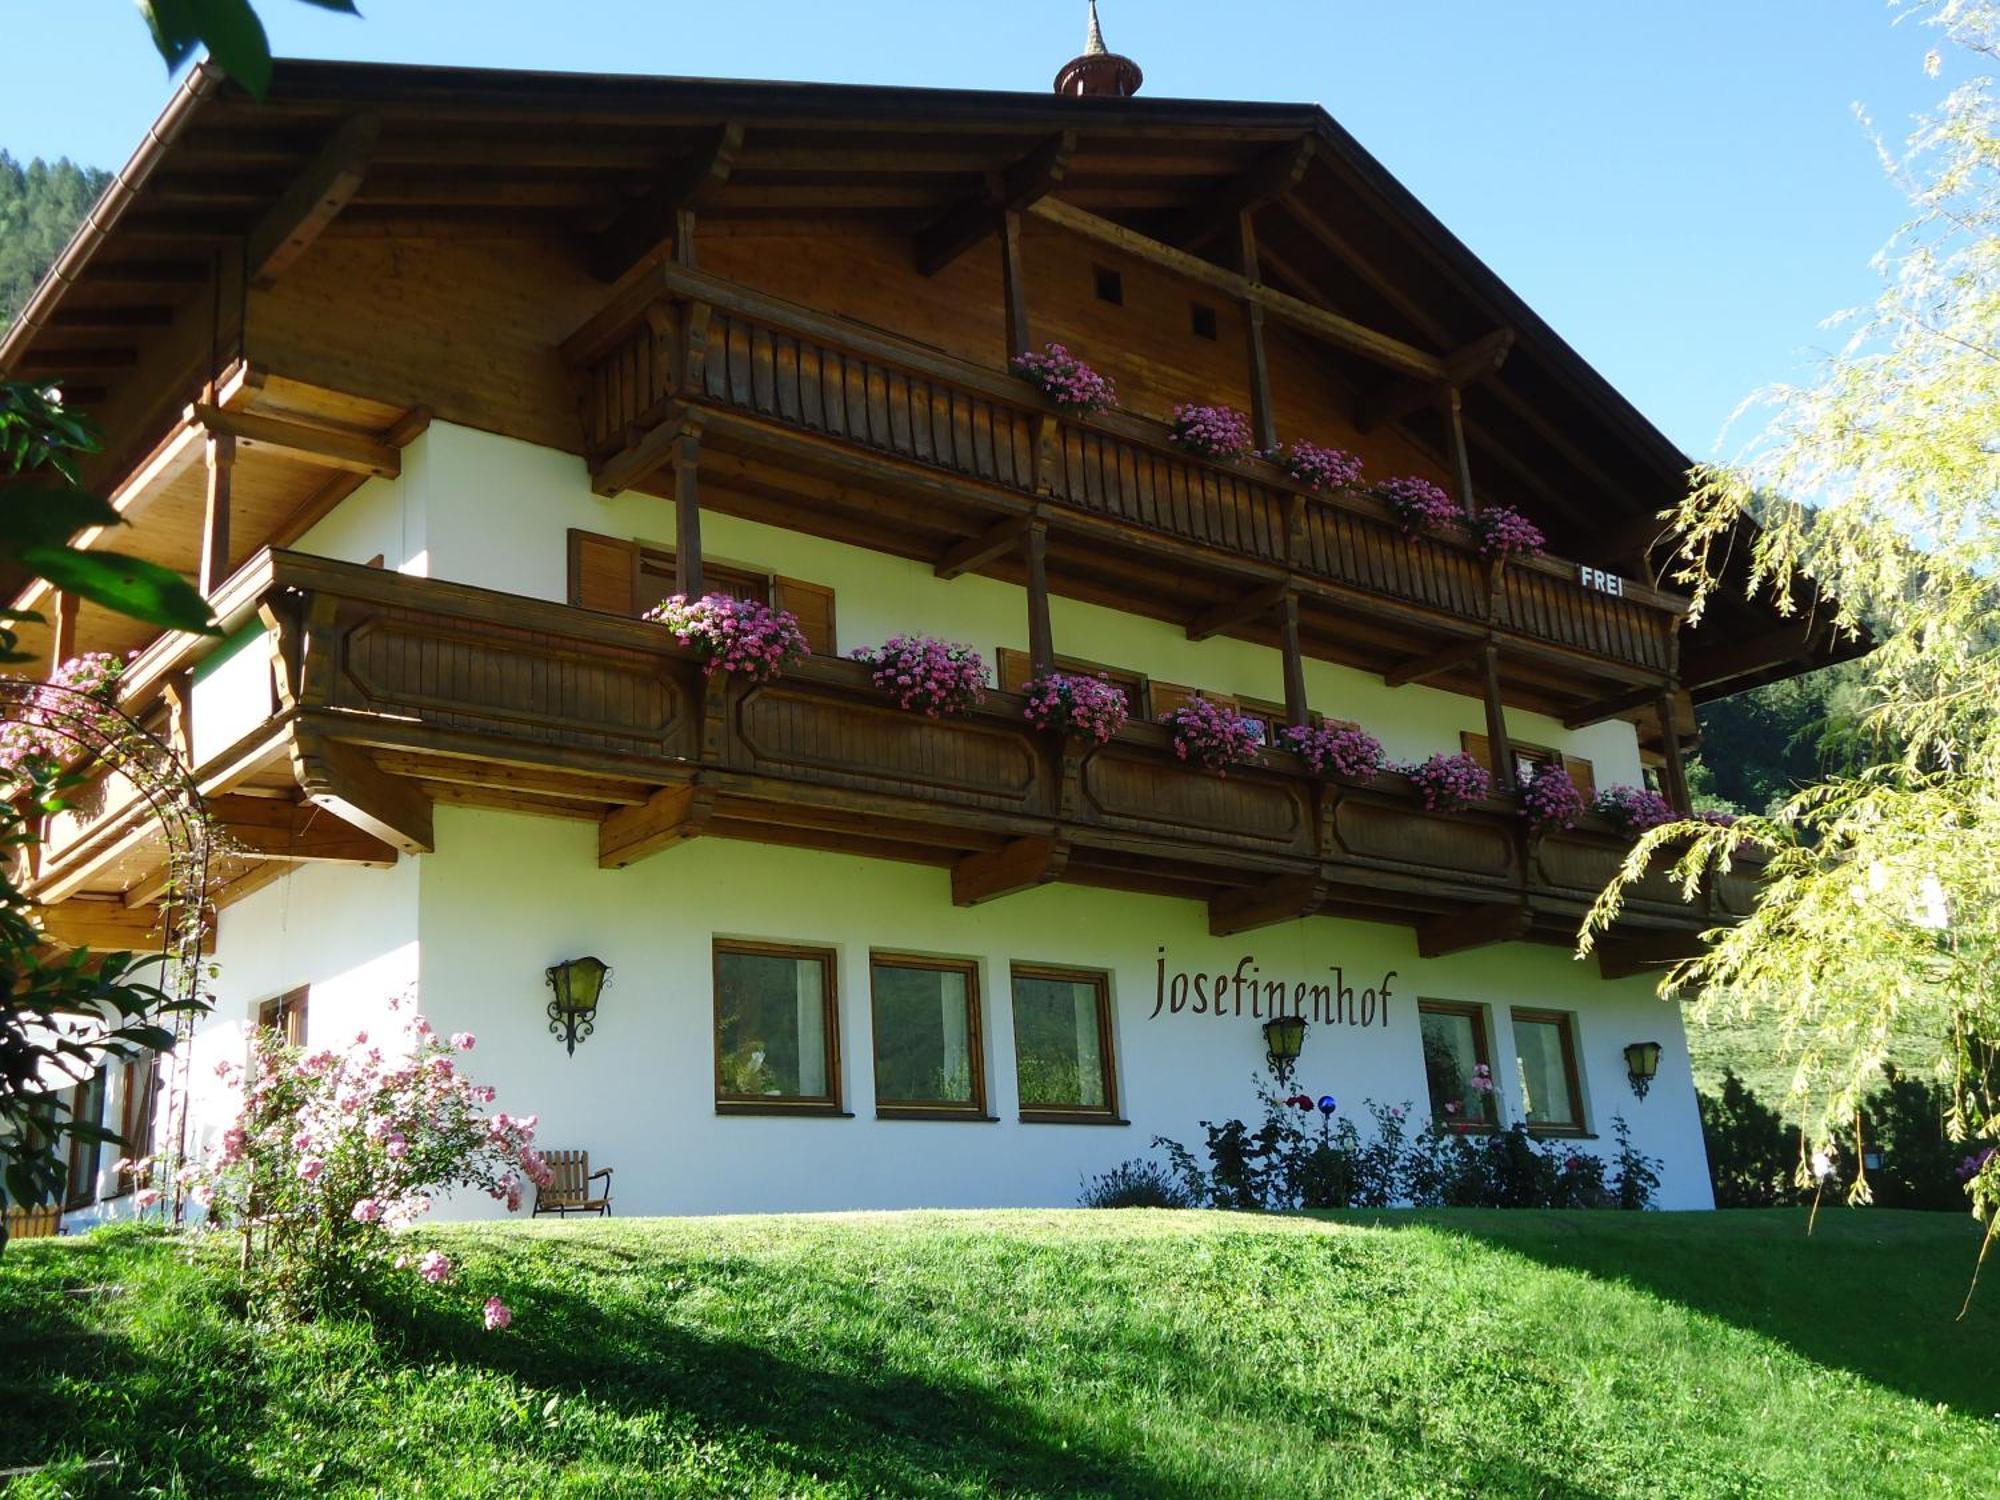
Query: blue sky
(1682, 190)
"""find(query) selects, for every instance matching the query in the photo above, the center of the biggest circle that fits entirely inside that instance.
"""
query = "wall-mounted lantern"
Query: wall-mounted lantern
(1284, 1039)
(1642, 1063)
(577, 983)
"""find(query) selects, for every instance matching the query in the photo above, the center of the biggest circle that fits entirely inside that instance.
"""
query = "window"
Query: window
(1455, 1053)
(86, 1103)
(621, 577)
(656, 579)
(1110, 285)
(1202, 320)
(1528, 759)
(1017, 670)
(929, 1057)
(1062, 1044)
(138, 1099)
(287, 1014)
(1545, 1071)
(776, 1029)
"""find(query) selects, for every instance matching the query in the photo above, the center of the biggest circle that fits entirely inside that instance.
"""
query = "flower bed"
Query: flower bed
(1066, 380)
(1211, 431)
(1085, 707)
(1633, 808)
(738, 636)
(1448, 783)
(1318, 469)
(1549, 799)
(1210, 736)
(933, 677)
(1335, 750)
(1418, 505)
(1503, 531)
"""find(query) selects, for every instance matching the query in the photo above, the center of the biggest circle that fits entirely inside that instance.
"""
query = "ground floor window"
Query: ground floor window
(287, 1015)
(928, 1054)
(1545, 1070)
(1457, 1063)
(1062, 1043)
(776, 1033)
(86, 1157)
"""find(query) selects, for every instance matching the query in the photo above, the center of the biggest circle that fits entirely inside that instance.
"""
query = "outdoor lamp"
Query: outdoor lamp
(577, 983)
(1284, 1037)
(1642, 1062)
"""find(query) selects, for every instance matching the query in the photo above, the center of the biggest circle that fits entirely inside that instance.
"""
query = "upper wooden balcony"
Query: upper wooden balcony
(376, 695)
(796, 409)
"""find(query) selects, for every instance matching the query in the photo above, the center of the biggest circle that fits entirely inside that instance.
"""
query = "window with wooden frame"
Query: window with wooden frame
(621, 577)
(1457, 1057)
(1017, 670)
(1530, 758)
(287, 1015)
(139, 1097)
(777, 1029)
(1551, 1093)
(1268, 717)
(1063, 1061)
(86, 1157)
(930, 1057)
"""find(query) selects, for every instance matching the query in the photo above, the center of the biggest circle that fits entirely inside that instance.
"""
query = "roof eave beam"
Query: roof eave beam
(1275, 174)
(314, 200)
(644, 226)
(973, 219)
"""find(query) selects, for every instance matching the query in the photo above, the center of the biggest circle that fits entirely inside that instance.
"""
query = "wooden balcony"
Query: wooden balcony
(392, 693)
(950, 451)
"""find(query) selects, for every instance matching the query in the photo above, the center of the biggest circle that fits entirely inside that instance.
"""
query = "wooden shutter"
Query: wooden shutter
(1016, 668)
(603, 573)
(813, 604)
(1581, 771)
(1584, 774)
(1479, 747)
(1167, 696)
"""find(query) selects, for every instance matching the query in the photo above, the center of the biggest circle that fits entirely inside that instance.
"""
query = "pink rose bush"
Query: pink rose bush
(737, 636)
(1633, 808)
(34, 746)
(1213, 737)
(1418, 505)
(1066, 380)
(1335, 749)
(1448, 783)
(929, 676)
(1550, 799)
(329, 1152)
(1503, 531)
(1318, 469)
(1073, 705)
(1211, 431)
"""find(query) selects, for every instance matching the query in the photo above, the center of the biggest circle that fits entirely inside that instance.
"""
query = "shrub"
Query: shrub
(1086, 707)
(330, 1151)
(1212, 431)
(1318, 469)
(1503, 531)
(1549, 799)
(1449, 782)
(1210, 736)
(738, 636)
(1419, 505)
(934, 677)
(1751, 1155)
(1066, 380)
(1137, 1183)
(1335, 749)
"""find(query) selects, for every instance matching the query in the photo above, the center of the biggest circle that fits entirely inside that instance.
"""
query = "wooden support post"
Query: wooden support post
(62, 641)
(687, 514)
(684, 236)
(1504, 775)
(1461, 460)
(1019, 866)
(221, 454)
(1296, 709)
(1263, 418)
(1284, 899)
(1476, 927)
(1041, 637)
(1013, 285)
(1674, 773)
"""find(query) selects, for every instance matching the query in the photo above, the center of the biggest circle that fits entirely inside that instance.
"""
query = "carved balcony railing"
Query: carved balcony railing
(507, 700)
(696, 342)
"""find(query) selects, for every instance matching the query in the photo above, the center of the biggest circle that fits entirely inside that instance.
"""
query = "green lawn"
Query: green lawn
(1131, 1353)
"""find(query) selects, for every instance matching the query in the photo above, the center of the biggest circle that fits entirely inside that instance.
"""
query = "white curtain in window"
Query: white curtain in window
(1089, 1066)
(812, 1029)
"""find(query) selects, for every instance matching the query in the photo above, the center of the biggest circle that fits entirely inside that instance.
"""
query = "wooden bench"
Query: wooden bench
(568, 1191)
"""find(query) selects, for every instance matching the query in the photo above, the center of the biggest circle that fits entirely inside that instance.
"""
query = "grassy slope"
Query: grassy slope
(1155, 1354)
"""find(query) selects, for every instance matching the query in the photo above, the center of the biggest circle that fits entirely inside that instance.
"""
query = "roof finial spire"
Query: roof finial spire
(1099, 70)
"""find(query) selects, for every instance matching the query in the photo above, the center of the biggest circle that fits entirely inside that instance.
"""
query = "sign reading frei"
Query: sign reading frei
(1603, 582)
(1242, 990)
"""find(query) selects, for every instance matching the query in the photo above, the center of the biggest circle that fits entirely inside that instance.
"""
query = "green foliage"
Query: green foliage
(1138, 1183)
(1752, 1157)
(1760, 747)
(229, 29)
(40, 206)
(1172, 1356)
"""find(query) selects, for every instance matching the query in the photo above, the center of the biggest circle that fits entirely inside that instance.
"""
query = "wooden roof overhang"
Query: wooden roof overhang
(225, 190)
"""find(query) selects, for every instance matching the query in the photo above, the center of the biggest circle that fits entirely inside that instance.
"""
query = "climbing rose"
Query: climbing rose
(435, 1267)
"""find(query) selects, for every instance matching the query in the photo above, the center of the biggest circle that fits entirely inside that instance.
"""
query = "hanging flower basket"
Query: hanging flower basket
(1210, 736)
(1549, 799)
(1080, 707)
(1634, 809)
(737, 636)
(1211, 431)
(1448, 783)
(1418, 505)
(1335, 750)
(1318, 469)
(1503, 531)
(926, 675)
(1066, 380)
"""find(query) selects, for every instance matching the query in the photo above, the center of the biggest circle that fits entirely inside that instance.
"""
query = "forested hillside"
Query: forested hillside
(40, 204)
